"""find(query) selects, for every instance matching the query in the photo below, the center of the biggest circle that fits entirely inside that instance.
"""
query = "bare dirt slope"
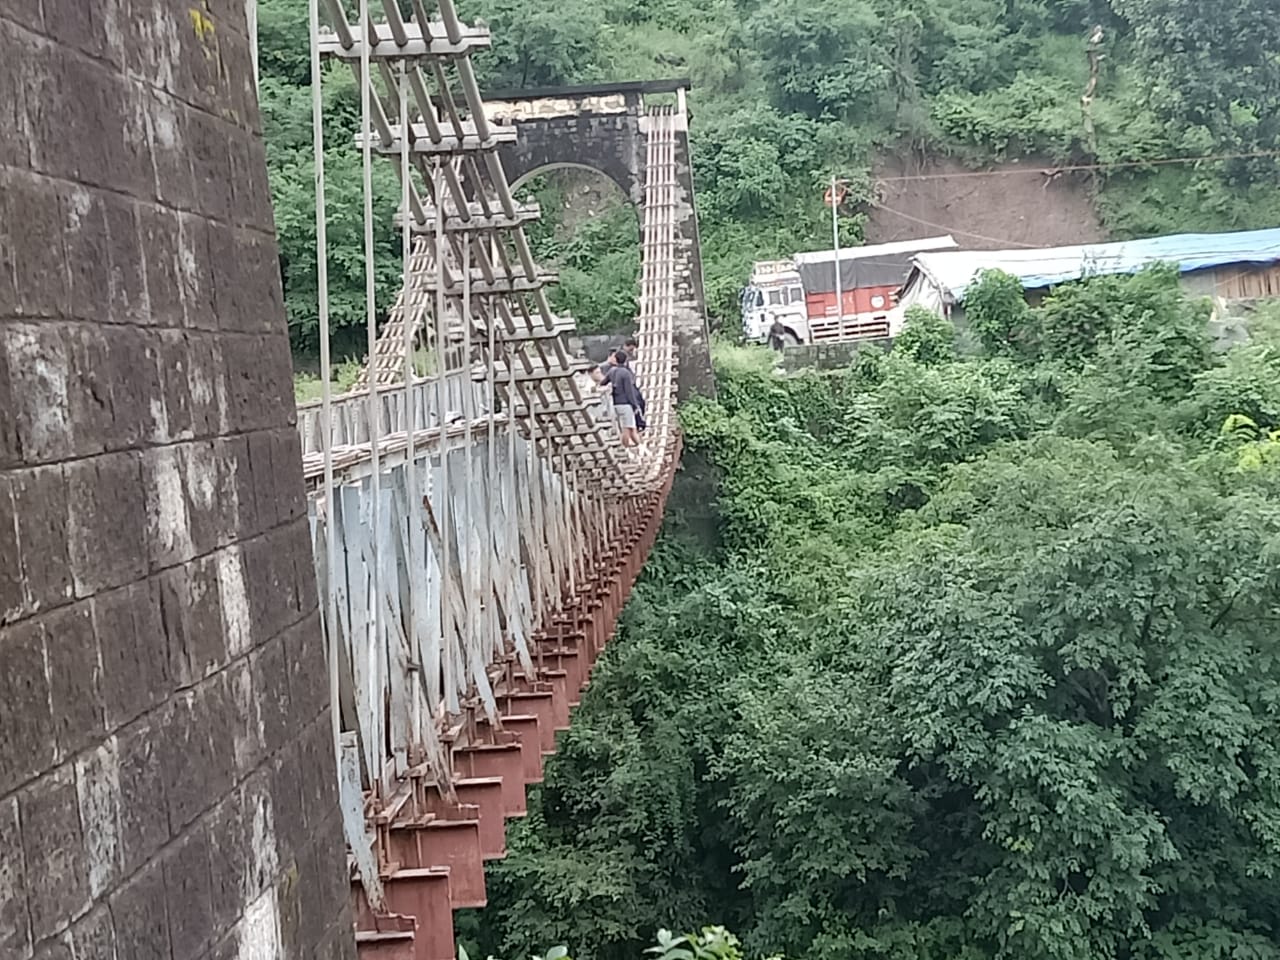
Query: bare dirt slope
(1011, 205)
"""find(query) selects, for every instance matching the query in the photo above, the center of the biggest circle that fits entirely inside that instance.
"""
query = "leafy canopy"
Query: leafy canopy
(983, 667)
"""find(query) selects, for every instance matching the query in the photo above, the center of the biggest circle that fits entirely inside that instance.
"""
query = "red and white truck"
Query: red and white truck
(801, 292)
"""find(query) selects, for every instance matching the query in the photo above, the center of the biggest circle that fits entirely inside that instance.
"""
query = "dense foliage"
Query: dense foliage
(984, 665)
(789, 92)
(597, 260)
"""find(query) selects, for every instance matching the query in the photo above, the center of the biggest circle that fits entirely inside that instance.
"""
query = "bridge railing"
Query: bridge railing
(354, 420)
(431, 586)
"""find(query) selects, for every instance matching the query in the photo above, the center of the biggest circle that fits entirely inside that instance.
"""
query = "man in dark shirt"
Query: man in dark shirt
(777, 335)
(632, 350)
(627, 401)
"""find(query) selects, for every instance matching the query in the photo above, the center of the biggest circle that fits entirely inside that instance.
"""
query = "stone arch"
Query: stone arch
(518, 182)
(602, 134)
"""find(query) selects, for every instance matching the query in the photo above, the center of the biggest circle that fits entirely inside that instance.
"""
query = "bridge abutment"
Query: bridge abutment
(167, 784)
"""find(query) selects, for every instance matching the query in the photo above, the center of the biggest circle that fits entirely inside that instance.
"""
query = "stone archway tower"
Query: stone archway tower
(602, 128)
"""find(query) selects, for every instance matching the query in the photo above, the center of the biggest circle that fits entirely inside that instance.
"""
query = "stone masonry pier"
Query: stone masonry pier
(166, 753)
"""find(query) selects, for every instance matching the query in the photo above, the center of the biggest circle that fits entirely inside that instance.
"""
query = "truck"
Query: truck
(801, 292)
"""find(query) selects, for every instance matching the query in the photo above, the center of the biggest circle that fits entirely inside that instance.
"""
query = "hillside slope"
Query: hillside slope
(1020, 203)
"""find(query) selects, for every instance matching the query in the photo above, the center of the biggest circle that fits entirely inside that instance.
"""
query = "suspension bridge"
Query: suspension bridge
(478, 530)
(176, 779)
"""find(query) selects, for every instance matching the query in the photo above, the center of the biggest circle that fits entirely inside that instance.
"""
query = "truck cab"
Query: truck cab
(775, 292)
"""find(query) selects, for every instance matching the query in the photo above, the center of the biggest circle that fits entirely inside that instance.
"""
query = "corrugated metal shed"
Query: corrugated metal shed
(952, 273)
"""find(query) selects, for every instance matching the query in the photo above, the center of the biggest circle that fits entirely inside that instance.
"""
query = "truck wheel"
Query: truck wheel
(792, 339)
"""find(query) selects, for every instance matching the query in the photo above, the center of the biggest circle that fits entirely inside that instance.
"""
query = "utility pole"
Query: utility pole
(834, 196)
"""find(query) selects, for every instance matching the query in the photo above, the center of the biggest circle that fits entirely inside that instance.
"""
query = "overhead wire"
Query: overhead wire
(1080, 167)
(1041, 171)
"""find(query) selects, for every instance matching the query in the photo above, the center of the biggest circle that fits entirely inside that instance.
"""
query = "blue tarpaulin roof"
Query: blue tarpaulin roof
(955, 271)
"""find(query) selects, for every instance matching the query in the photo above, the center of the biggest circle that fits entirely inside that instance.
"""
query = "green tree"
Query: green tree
(1210, 63)
(980, 669)
(599, 270)
(823, 56)
(285, 101)
(539, 43)
(926, 337)
(996, 309)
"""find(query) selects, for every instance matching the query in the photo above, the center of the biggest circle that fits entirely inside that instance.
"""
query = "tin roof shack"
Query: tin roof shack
(1229, 267)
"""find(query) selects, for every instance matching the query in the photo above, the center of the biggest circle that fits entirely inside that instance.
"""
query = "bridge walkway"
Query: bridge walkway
(477, 524)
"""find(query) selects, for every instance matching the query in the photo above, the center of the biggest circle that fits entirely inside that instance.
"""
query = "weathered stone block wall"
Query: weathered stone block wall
(167, 783)
(690, 321)
(828, 356)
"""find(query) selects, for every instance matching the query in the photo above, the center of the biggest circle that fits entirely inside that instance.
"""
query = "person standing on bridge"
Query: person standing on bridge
(627, 401)
(628, 350)
(632, 348)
